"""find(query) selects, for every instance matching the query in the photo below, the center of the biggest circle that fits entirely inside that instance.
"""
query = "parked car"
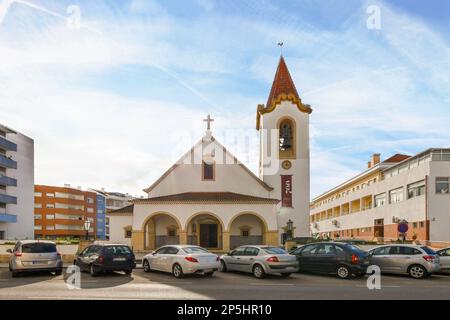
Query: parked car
(259, 260)
(99, 258)
(341, 259)
(444, 257)
(181, 260)
(34, 255)
(417, 261)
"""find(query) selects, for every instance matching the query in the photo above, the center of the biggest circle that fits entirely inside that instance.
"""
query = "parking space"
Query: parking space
(156, 285)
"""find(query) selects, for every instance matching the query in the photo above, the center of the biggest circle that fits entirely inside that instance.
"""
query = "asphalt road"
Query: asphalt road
(141, 285)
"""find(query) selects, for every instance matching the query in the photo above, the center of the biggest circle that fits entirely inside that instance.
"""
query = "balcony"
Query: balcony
(4, 198)
(5, 217)
(7, 181)
(7, 163)
(7, 145)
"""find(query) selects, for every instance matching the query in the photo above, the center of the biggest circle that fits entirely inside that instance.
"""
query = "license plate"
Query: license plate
(207, 270)
(36, 262)
(119, 259)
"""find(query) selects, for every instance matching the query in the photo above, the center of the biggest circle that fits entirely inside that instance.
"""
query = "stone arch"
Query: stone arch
(156, 227)
(247, 228)
(205, 229)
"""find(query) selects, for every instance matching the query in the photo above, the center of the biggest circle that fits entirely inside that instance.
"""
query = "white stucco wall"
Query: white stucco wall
(439, 204)
(116, 228)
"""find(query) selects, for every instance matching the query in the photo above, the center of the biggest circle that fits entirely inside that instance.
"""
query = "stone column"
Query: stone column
(137, 240)
(183, 237)
(226, 241)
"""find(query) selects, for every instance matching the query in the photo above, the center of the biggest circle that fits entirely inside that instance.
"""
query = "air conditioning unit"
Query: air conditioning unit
(335, 222)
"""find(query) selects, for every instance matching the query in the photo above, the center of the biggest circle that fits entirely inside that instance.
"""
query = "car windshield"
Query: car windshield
(117, 250)
(274, 250)
(428, 250)
(38, 248)
(191, 250)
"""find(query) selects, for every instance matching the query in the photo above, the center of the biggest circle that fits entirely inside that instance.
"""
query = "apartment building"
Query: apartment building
(412, 189)
(16, 185)
(113, 201)
(60, 212)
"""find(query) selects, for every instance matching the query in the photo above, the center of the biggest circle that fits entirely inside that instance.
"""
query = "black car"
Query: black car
(342, 259)
(99, 258)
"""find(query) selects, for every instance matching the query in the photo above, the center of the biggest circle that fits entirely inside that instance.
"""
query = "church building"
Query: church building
(209, 198)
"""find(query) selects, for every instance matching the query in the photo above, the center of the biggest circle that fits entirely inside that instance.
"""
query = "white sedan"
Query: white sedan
(181, 260)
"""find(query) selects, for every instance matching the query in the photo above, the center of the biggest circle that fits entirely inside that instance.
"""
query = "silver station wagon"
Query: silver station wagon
(35, 255)
(259, 260)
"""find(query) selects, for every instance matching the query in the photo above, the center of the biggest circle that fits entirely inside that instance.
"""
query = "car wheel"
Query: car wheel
(417, 271)
(258, 272)
(177, 271)
(14, 274)
(92, 271)
(209, 274)
(128, 271)
(146, 266)
(223, 266)
(285, 275)
(343, 272)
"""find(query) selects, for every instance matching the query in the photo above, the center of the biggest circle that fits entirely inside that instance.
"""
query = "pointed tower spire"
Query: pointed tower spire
(282, 83)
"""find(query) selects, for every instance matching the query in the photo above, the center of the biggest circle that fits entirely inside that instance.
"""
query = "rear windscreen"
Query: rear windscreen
(428, 250)
(191, 250)
(274, 250)
(38, 248)
(117, 250)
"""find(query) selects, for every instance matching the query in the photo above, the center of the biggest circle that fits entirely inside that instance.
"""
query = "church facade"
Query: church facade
(209, 198)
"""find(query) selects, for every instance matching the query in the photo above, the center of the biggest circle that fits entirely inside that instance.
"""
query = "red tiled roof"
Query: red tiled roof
(282, 83)
(207, 197)
(122, 211)
(397, 158)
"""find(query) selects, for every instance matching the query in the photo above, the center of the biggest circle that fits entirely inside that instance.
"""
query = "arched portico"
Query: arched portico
(247, 228)
(161, 228)
(206, 230)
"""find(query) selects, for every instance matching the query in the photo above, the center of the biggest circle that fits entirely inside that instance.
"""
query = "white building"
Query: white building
(16, 185)
(211, 199)
(371, 204)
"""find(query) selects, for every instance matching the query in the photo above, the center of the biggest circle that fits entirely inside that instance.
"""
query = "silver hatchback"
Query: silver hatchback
(417, 261)
(259, 260)
(34, 255)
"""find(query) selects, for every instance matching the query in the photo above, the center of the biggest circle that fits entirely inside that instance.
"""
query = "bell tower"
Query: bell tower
(283, 124)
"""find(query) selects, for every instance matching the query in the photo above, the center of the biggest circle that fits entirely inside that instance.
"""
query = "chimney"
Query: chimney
(374, 160)
(66, 185)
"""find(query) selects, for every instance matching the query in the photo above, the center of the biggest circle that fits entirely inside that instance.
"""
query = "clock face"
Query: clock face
(286, 164)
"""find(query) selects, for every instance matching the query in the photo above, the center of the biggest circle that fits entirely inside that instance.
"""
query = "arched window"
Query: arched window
(286, 138)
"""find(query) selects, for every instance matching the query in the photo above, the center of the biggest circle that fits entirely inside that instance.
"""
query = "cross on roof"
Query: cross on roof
(208, 120)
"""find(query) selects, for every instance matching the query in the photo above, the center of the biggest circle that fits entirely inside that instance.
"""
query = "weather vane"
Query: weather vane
(280, 44)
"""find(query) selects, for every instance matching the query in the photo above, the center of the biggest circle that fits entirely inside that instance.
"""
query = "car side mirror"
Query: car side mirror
(153, 253)
(9, 250)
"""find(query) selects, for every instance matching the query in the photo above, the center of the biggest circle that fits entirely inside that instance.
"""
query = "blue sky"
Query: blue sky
(112, 104)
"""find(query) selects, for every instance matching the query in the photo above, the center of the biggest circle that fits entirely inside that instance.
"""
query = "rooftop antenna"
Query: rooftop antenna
(280, 44)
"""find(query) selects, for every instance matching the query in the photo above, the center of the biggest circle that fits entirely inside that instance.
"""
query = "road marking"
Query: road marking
(271, 284)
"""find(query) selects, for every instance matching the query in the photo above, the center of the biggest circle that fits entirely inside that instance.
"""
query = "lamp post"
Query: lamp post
(87, 226)
(289, 225)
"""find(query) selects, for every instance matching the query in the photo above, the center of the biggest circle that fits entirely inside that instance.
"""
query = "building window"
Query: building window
(50, 195)
(90, 210)
(90, 200)
(128, 233)
(414, 225)
(38, 216)
(245, 233)
(50, 206)
(49, 227)
(416, 189)
(38, 194)
(380, 200)
(172, 231)
(286, 135)
(396, 195)
(37, 227)
(49, 216)
(421, 224)
(442, 185)
(38, 205)
(208, 171)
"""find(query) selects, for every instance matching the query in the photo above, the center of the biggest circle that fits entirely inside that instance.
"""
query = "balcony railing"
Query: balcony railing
(4, 198)
(5, 217)
(8, 163)
(7, 145)
(7, 181)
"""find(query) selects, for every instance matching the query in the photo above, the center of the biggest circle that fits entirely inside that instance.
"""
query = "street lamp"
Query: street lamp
(87, 226)
(289, 228)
